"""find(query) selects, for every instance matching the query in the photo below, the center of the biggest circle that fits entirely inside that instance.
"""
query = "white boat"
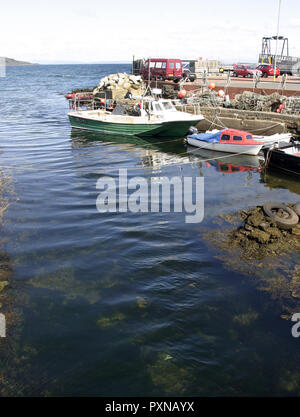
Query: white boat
(278, 139)
(154, 117)
(228, 140)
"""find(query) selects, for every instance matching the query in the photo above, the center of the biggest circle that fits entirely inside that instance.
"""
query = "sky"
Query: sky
(90, 31)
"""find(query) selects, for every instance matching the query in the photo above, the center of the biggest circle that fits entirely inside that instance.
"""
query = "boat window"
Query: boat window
(226, 137)
(249, 137)
(158, 64)
(171, 65)
(157, 107)
(237, 138)
(164, 65)
(167, 105)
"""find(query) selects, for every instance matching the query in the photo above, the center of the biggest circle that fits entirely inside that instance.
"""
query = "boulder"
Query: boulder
(119, 84)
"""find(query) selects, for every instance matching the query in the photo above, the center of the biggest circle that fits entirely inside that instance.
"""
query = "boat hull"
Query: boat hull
(281, 161)
(226, 147)
(164, 129)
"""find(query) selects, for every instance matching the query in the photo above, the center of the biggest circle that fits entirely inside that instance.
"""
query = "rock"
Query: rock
(248, 227)
(264, 226)
(119, 84)
(296, 231)
(3, 284)
(260, 236)
(274, 232)
(255, 219)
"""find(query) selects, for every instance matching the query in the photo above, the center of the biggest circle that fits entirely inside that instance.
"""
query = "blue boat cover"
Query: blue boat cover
(208, 137)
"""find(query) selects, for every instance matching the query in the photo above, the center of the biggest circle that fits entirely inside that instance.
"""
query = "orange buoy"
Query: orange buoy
(182, 94)
(221, 93)
(212, 86)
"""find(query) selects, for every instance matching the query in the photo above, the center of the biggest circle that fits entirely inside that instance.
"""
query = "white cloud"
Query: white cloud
(101, 31)
(295, 22)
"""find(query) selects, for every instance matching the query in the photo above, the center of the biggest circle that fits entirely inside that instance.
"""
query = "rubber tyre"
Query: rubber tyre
(249, 76)
(287, 223)
(296, 208)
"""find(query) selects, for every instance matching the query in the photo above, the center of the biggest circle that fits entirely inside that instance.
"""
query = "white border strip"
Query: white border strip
(2, 67)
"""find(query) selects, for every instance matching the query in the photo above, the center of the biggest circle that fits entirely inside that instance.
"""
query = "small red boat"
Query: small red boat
(228, 140)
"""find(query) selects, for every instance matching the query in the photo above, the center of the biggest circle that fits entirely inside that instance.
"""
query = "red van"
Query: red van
(162, 69)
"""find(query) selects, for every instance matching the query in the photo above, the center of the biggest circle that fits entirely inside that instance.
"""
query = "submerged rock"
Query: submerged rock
(259, 235)
(265, 253)
(3, 284)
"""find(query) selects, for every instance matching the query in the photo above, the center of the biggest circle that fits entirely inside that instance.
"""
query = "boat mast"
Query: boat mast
(278, 23)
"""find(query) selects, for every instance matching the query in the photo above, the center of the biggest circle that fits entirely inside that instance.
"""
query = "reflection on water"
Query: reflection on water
(277, 180)
(224, 162)
(126, 304)
(154, 152)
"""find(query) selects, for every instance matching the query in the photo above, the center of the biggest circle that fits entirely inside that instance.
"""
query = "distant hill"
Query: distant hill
(10, 61)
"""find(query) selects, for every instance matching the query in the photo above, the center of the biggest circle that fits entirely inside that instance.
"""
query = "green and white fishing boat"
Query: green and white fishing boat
(155, 117)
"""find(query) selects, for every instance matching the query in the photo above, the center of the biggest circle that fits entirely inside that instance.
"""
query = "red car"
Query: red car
(241, 70)
(268, 69)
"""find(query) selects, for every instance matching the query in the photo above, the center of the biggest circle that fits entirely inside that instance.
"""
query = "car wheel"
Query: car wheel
(249, 75)
(288, 222)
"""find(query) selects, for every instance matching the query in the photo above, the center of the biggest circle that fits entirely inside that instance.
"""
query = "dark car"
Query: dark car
(188, 75)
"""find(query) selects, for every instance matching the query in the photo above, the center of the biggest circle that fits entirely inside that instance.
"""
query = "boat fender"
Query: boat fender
(289, 222)
(193, 130)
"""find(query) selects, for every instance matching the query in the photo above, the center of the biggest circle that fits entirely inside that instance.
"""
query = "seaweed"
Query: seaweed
(256, 247)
